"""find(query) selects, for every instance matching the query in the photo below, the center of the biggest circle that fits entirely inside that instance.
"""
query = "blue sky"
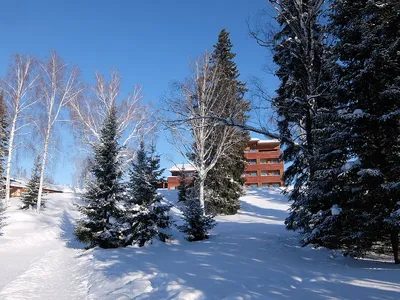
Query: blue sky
(149, 42)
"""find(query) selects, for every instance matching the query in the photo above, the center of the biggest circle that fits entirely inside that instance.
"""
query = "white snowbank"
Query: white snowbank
(249, 256)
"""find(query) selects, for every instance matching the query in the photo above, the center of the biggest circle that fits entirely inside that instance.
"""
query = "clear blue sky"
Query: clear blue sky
(149, 42)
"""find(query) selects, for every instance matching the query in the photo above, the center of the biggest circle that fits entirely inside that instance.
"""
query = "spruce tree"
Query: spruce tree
(182, 188)
(224, 183)
(196, 226)
(310, 125)
(145, 216)
(102, 213)
(29, 197)
(368, 34)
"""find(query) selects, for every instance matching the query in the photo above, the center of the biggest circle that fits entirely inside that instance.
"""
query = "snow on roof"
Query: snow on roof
(21, 183)
(268, 141)
(180, 167)
(264, 141)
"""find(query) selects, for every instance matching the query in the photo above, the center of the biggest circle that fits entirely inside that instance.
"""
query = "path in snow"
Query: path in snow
(45, 260)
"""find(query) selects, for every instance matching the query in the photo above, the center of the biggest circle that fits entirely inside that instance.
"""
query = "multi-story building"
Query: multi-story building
(264, 169)
(176, 171)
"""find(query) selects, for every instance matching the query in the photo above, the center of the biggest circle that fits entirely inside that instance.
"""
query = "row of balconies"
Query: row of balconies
(255, 155)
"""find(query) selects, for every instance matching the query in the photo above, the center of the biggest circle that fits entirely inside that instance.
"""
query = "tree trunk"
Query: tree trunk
(44, 160)
(394, 238)
(9, 161)
(201, 194)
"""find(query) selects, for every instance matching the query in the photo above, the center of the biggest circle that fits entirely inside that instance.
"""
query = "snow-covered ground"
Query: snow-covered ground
(249, 256)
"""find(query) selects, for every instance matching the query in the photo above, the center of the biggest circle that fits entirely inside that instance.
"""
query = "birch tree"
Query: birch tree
(89, 111)
(192, 128)
(18, 86)
(57, 86)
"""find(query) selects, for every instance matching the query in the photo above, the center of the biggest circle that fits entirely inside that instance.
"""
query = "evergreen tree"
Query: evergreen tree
(311, 128)
(224, 183)
(145, 216)
(196, 224)
(182, 188)
(29, 197)
(102, 212)
(368, 34)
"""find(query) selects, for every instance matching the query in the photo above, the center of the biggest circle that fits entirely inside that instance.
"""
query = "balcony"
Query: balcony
(269, 154)
(262, 179)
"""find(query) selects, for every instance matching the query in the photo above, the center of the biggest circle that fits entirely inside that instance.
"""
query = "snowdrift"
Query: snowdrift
(249, 256)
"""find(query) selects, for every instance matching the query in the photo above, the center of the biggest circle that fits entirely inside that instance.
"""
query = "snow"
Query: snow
(186, 167)
(249, 256)
(335, 210)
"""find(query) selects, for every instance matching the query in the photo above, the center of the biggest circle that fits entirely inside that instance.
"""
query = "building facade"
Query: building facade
(176, 171)
(264, 169)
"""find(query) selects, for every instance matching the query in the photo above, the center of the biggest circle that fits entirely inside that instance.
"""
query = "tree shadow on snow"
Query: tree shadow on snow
(244, 261)
(67, 227)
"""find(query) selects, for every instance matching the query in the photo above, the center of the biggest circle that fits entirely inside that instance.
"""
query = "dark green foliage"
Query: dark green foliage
(311, 127)
(224, 183)
(196, 225)
(368, 35)
(30, 196)
(145, 216)
(182, 188)
(101, 224)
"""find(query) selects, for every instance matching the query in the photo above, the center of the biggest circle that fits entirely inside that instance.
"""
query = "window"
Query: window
(252, 173)
(264, 173)
(263, 161)
(251, 150)
(274, 161)
(252, 161)
(275, 173)
(265, 185)
(253, 185)
(276, 185)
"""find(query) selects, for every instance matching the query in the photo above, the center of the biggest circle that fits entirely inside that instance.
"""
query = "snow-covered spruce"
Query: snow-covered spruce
(367, 46)
(30, 196)
(145, 217)
(197, 225)
(224, 182)
(102, 212)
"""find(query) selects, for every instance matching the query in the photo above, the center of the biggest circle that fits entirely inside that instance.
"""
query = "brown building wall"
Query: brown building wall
(265, 162)
(266, 156)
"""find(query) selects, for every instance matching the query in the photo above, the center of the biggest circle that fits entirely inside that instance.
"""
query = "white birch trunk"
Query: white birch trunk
(56, 90)
(43, 168)
(9, 160)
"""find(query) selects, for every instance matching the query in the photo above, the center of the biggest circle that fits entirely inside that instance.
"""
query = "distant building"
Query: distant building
(18, 187)
(264, 169)
(176, 171)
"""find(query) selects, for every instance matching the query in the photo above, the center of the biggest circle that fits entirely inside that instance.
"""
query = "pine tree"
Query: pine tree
(196, 224)
(101, 225)
(182, 187)
(29, 197)
(3, 151)
(224, 183)
(310, 125)
(146, 216)
(368, 34)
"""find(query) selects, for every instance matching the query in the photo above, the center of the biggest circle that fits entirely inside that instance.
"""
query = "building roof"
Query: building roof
(264, 141)
(182, 167)
(21, 183)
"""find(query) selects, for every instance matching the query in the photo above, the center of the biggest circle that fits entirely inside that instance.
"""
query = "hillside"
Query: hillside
(249, 256)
